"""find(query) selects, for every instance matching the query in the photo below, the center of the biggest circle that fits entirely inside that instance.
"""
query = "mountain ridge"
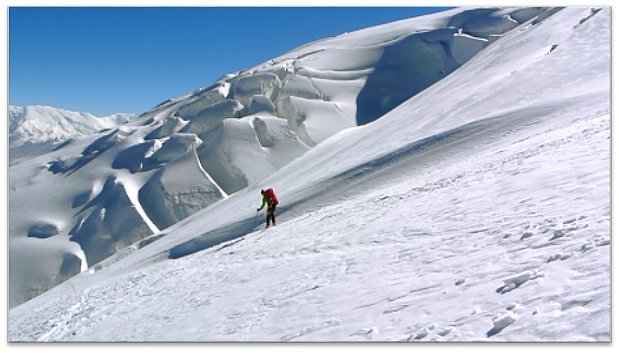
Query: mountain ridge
(37, 129)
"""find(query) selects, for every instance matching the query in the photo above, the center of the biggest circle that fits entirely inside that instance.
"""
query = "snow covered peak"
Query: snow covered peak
(38, 123)
(37, 129)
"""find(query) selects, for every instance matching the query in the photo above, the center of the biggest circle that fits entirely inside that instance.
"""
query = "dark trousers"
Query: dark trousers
(271, 215)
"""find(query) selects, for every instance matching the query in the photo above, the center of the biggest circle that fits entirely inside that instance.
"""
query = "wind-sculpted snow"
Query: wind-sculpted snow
(119, 187)
(171, 126)
(178, 189)
(245, 151)
(109, 222)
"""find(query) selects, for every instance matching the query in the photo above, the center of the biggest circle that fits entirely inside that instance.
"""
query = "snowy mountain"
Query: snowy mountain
(185, 154)
(36, 129)
(478, 209)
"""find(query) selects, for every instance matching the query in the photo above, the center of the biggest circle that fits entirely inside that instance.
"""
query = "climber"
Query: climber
(269, 199)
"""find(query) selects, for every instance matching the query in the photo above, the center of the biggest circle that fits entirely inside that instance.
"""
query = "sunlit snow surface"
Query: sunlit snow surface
(477, 210)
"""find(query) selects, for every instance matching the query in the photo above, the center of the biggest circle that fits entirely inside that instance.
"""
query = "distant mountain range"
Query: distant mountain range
(37, 129)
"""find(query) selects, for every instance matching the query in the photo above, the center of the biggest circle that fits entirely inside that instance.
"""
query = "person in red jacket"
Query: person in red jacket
(269, 199)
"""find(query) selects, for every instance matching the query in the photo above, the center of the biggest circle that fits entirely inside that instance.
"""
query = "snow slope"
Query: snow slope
(38, 129)
(486, 219)
(115, 188)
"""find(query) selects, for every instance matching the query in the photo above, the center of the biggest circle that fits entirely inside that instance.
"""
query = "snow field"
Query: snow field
(381, 263)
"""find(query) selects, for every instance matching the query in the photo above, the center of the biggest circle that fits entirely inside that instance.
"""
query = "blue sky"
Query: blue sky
(104, 60)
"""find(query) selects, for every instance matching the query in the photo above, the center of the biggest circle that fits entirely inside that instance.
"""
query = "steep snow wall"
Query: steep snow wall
(338, 83)
(119, 187)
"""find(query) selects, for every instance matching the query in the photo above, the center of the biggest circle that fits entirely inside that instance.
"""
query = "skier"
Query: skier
(269, 199)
